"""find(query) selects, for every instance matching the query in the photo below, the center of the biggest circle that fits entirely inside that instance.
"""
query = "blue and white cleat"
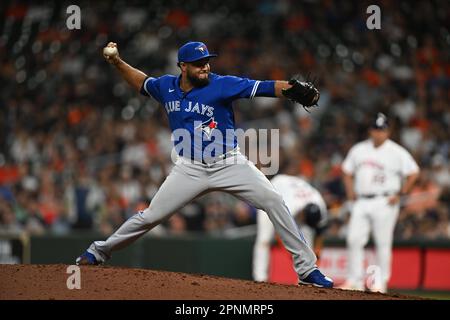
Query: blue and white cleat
(86, 259)
(317, 279)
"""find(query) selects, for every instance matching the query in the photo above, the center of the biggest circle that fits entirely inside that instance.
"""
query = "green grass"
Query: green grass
(437, 295)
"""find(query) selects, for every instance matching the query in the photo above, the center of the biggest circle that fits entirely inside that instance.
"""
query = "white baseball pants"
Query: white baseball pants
(378, 215)
(264, 239)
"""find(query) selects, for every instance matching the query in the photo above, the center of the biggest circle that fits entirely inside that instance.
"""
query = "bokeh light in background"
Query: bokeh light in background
(79, 149)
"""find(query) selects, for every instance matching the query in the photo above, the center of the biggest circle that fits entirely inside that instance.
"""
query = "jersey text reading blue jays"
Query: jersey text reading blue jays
(204, 113)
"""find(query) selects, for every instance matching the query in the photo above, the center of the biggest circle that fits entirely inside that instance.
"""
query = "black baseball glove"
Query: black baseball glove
(304, 93)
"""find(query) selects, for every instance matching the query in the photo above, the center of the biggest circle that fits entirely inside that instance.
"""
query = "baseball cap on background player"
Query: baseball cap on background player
(380, 122)
(312, 215)
(193, 51)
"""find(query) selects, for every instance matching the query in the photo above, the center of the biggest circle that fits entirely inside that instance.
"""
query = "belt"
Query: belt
(372, 195)
(224, 156)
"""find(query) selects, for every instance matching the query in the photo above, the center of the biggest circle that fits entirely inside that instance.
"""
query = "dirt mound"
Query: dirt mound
(49, 282)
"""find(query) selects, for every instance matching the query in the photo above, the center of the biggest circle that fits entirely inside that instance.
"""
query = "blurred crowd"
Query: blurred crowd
(80, 150)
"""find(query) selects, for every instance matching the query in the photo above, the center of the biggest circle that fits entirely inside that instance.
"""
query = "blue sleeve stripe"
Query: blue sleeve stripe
(255, 88)
(145, 85)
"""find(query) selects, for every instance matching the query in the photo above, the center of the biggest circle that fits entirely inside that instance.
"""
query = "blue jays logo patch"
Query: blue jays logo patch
(207, 127)
(201, 48)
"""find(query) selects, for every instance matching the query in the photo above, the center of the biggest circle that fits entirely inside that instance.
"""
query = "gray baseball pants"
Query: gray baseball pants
(189, 180)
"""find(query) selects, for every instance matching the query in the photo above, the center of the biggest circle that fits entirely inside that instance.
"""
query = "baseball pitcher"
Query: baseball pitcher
(198, 104)
(374, 171)
(307, 207)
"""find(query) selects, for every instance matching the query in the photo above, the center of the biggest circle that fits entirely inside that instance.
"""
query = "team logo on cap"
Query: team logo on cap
(207, 127)
(201, 48)
(381, 120)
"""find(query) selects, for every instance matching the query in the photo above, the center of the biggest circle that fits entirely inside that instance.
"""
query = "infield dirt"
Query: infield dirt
(49, 282)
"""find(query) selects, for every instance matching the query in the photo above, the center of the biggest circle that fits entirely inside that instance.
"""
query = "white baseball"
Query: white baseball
(110, 51)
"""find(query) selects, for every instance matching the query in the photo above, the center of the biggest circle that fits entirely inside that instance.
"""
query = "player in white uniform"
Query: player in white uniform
(374, 172)
(307, 207)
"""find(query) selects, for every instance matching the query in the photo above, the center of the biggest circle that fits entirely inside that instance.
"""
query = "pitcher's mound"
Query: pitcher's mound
(51, 282)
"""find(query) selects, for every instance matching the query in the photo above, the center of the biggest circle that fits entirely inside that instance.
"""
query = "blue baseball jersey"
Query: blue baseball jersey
(202, 120)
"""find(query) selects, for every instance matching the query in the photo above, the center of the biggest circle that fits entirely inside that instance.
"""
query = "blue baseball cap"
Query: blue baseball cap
(193, 51)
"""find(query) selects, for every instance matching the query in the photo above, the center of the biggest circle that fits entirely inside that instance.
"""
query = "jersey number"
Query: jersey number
(379, 178)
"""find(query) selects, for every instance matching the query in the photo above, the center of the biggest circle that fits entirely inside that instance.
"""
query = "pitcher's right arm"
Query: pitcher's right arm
(131, 75)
